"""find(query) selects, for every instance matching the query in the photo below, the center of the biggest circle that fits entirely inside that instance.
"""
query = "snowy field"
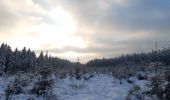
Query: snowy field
(99, 87)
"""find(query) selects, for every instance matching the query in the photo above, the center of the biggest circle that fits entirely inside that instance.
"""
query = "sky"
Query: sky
(85, 29)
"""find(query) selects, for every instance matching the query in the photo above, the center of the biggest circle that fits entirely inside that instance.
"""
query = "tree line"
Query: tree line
(161, 56)
(26, 60)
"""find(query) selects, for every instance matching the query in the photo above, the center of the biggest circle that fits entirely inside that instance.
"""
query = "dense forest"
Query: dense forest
(26, 60)
(161, 56)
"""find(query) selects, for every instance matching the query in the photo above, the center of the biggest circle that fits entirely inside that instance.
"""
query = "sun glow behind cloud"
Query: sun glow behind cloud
(64, 20)
(59, 34)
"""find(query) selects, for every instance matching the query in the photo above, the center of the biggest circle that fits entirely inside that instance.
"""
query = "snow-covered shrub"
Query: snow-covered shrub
(88, 76)
(135, 94)
(12, 89)
(123, 72)
(167, 92)
(119, 75)
(141, 77)
(167, 87)
(44, 82)
(77, 86)
(129, 81)
(156, 87)
(167, 74)
(77, 73)
(62, 75)
(17, 85)
(41, 87)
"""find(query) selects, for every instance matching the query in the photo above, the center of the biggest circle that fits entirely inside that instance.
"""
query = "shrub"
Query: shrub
(141, 77)
(44, 82)
(135, 92)
(12, 89)
(156, 85)
(41, 87)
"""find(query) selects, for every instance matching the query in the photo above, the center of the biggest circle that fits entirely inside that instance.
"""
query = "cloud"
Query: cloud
(17, 14)
(132, 16)
(105, 27)
(131, 20)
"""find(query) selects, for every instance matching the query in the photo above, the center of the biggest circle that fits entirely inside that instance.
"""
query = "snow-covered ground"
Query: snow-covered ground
(99, 87)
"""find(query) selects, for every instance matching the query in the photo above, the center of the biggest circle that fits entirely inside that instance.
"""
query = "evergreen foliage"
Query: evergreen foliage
(12, 62)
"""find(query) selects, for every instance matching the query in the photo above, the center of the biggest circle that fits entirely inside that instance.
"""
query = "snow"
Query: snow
(99, 87)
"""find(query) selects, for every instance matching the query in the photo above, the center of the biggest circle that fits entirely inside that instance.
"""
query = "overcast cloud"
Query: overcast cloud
(88, 29)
